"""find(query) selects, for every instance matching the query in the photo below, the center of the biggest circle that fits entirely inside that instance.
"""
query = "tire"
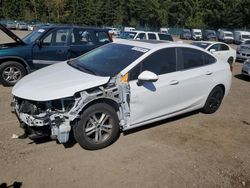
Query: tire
(214, 100)
(11, 72)
(90, 132)
(230, 60)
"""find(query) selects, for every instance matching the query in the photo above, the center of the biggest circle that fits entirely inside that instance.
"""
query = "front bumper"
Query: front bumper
(242, 56)
(246, 70)
(53, 125)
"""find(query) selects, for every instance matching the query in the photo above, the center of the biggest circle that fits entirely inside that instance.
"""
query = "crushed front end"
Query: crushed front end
(55, 118)
(45, 119)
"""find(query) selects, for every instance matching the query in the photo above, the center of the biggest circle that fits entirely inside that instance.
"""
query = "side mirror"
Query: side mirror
(38, 43)
(212, 50)
(147, 76)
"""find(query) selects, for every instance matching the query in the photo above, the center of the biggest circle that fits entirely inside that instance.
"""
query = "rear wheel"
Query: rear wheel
(11, 72)
(214, 100)
(98, 127)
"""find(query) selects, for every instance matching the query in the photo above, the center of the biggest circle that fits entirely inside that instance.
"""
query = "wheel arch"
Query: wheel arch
(223, 88)
(17, 59)
(108, 101)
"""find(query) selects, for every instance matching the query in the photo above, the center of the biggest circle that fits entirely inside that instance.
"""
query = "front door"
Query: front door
(53, 48)
(151, 100)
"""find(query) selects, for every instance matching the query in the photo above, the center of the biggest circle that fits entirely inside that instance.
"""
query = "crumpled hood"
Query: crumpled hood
(55, 82)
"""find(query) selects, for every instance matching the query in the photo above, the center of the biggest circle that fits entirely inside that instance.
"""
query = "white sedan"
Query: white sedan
(118, 87)
(219, 49)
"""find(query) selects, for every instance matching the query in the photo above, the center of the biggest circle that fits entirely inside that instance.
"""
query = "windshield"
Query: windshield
(201, 44)
(33, 36)
(197, 33)
(228, 35)
(127, 35)
(246, 36)
(108, 60)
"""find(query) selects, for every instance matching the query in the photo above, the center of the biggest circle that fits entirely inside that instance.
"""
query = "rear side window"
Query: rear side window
(81, 36)
(192, 58)
(208, 59)
(141, 36)
(102, 37)
(165, 37)
(224, 47)
(151, 36)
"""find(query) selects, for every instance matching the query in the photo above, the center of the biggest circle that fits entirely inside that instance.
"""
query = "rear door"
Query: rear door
(222, 51)
(196, 78)
(82, 41)
(53, 48)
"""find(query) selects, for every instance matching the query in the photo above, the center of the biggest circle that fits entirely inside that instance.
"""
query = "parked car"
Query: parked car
(114, 31)
(22, 26)
(143, 35)
(225, 36)
(186, 34)
(196, 34)
(209, 35)
(246, 68)
(129, 29)
(241, 36)
(119, 86)
(243, 51)
(10, 25)
(164, 30)
(45, 46)
(220, 50)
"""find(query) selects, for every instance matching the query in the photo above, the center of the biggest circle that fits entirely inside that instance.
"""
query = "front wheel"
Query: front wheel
(214, 100)
(98, 127)
(11, 72)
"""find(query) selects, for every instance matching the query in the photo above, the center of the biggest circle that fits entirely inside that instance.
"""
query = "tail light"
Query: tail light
(231, 67)
(111, 37)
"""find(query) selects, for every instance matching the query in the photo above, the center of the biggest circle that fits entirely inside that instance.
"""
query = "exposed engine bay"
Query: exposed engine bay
(55, 118)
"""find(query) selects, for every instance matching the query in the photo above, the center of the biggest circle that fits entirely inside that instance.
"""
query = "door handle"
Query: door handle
(174, 82)
(209, 73)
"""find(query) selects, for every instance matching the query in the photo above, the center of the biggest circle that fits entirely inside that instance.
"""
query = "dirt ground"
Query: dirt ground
(194, 150)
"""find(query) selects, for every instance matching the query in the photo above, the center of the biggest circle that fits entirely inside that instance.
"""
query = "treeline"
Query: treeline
(137, 13)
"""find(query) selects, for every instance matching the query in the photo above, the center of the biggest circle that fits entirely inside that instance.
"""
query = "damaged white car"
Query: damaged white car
(117, 87)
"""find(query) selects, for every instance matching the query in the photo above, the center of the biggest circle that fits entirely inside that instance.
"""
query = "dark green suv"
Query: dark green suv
(45, 46)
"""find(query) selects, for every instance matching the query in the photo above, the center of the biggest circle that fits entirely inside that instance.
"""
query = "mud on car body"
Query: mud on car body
(117, 87)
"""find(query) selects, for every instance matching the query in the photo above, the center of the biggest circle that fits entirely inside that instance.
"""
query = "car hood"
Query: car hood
(55, 82)
(245, 47)
(11, 35)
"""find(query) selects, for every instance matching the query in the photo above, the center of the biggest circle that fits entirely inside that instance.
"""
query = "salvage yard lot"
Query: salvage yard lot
(194, 150)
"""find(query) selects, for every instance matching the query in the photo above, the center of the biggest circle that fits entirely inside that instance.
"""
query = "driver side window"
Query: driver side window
(56, 38)
(160, 62)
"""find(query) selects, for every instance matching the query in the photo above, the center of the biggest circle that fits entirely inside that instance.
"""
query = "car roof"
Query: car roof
(209, 42)
(153, 44)
(243, 32)
(70, 26)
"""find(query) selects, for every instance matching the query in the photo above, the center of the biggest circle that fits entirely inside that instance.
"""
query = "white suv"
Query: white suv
(143, 35)
(118, 87)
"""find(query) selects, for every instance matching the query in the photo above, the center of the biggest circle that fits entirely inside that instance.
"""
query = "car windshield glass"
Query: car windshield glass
(246, 36)
(127, 35)
(201, 44)
(108, 60)
(228, 35)
(197, 33)
(33, 36)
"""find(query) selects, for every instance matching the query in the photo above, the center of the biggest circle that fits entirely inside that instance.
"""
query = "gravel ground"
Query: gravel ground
(193, 150)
